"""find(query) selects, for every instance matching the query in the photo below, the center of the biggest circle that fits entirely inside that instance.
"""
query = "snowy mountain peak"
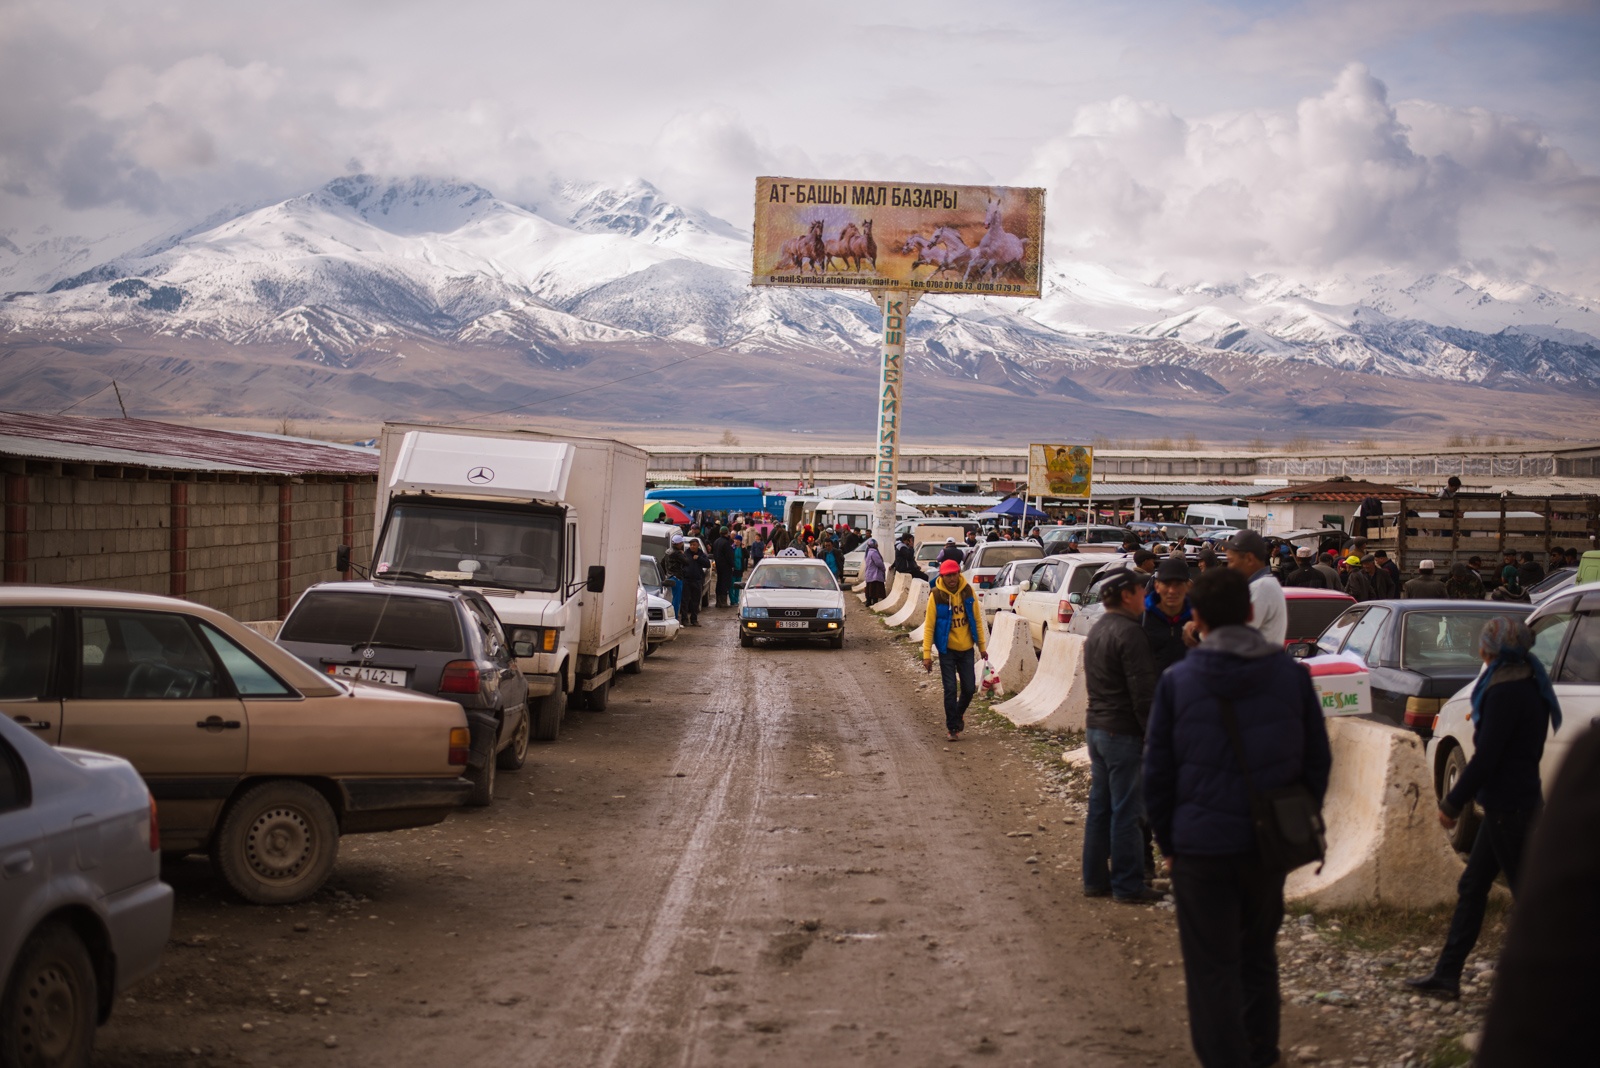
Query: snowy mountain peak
(637, 209)
(416, 205)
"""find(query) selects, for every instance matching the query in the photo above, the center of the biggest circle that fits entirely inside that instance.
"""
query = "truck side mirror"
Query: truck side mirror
(597, 579)
(341, 559)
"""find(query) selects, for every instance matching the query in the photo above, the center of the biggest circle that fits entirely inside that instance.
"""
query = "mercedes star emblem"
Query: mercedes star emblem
(480, 475)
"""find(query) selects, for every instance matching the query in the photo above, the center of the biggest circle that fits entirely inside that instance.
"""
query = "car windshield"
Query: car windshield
(649, 574)
(791, 577)
(998, 555)
(395, 620)
(480, 546)
(1434, 641)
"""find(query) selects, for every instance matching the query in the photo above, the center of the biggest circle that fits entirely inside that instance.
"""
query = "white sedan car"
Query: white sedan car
(791, 597)
(1002, 594)
(1056, 590)
(1566, 631)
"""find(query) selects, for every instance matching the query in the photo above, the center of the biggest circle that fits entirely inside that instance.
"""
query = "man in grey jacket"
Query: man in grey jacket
(1121, 675)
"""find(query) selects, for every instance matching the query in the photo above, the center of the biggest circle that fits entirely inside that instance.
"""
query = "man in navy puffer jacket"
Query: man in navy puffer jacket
(1229, 905)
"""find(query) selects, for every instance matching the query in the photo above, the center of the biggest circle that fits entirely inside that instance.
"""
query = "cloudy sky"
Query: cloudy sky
(1193, 139)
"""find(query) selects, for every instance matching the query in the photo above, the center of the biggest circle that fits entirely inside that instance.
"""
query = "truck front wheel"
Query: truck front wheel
(548, 712)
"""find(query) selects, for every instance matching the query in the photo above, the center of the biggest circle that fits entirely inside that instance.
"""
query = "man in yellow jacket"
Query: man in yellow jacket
(954, 626)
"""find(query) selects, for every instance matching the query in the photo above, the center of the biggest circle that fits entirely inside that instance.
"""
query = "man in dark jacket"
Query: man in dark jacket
(1166, 611)
(695, 565)
(1367, 582)
(1425, 585)
(1306, 574)
(1326, 568)
(1230, 905)
(952, 551)
(722, 554)
(1121, 675)
(905, 558)
(1513, 707)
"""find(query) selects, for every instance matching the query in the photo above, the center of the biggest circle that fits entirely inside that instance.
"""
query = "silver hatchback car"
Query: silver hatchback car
(83, 910)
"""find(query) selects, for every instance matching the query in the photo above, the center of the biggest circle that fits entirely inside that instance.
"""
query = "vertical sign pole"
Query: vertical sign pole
(896, 307)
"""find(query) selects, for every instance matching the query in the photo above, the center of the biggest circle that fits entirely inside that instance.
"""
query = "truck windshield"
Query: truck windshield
(516, 550)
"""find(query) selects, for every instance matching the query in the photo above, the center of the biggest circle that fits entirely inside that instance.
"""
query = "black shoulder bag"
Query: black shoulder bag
(1288, 821)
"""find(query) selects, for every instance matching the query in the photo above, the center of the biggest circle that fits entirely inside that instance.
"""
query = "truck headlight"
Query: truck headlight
(752, 612)
(526, 641)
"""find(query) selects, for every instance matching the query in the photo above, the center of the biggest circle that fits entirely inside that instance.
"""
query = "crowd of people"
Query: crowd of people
(724, 552)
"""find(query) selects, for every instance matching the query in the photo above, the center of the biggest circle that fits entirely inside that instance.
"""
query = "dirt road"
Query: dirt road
(766, 856)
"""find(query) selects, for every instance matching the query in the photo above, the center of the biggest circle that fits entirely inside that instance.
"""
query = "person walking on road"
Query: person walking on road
(722, 554)
(954, 627)
(1425, 585)
(1513, 709)
(695, 565)
(1229, 904)
(1306, 575)
(1247, 554)
(874, 573)
(1121, 675)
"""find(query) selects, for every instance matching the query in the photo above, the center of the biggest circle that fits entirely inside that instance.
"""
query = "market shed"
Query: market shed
(241, 522)
(1318, 505)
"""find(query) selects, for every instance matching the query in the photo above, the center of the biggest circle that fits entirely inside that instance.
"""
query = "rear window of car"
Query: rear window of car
(333, 618)
(1442, 640)
(1310, 616)
(1000, 555)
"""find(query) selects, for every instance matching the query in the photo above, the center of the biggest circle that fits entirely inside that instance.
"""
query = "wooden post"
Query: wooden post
(178, 553)
(1455, 531)
(349, 521)
(1502, 523)
(1549, 507)
(16, 569)
(285, 545)
(1400, 540)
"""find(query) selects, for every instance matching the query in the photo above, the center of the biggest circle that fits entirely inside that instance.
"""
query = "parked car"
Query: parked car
(435, 639)
(1418, 652)
(1000, 596)
(854, 562)
(984, 561)
(1562, 578)
(663, 624)
(85, 912)
(1310, 611)
(1093, 539)
(253, 755)
(1054, 592)
(1155, 531)
(1566, 632)
(791, 597)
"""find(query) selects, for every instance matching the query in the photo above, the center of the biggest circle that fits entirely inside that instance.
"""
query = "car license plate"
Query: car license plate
(362, 673)
(793, 624)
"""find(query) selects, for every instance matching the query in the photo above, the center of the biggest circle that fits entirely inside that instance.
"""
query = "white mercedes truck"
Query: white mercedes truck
(545, 526)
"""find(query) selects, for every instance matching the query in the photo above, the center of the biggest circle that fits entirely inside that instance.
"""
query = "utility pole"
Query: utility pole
(895, 304)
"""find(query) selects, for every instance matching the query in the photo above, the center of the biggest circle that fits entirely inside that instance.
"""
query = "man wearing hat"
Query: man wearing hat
(953, 625)
(1425, 585)
(951, 551)
(1367, 582)
(1306, 575)
(1166, 611)
(1248, 554)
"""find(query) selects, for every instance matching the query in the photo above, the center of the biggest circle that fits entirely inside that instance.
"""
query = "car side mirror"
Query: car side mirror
(1301, 650)
(341, 559)
(597, 579)
(1025, 586)
(521, 649)
(1075, 598)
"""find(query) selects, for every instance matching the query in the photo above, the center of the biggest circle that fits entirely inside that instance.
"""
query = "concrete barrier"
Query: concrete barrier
(897, 595)
(1385, 845)
(267, 628)
(1057, 699)
(913, 608)
(1011, 652)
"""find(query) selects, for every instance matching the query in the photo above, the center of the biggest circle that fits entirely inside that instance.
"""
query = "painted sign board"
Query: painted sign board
(1061, 471)
(917, 238)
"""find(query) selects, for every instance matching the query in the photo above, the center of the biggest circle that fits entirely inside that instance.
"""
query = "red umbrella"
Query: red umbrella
(665, 512)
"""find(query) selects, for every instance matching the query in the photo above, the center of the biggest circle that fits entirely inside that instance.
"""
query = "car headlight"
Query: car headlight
(752, 612)
(668, 613)
(830, 613)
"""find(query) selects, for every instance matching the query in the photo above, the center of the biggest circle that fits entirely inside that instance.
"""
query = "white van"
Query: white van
(1217, 515)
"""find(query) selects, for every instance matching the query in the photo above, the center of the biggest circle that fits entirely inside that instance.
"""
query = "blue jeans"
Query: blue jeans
(677, 594)
(954, 668)
(1113, 848)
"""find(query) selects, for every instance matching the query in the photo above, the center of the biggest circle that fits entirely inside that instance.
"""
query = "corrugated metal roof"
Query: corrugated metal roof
(1350, 491)
(1164, 491)
(172, 447)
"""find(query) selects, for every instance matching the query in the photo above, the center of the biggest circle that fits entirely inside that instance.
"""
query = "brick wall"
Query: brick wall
(127, 528)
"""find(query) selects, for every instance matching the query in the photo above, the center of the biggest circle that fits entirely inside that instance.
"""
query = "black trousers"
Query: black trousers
(1498, 847)
(724, 585)
(1229, 912)
(692, 592)
(875, 592)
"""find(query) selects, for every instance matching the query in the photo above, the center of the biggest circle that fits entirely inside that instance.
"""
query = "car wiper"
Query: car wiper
(388, 645)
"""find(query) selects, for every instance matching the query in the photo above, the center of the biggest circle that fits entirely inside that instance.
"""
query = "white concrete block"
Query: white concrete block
(1011, 652)
(913, 608)
(1057, 698)
(897, 595)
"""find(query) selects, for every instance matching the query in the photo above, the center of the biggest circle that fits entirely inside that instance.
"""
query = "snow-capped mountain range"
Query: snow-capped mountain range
(365, 265)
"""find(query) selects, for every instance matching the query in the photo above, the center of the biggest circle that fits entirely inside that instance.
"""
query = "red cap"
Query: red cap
(949, 567)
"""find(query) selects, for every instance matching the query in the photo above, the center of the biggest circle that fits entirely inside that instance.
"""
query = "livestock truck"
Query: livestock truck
(545, 526)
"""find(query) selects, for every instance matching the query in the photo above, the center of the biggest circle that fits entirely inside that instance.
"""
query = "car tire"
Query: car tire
(650, 650)
(482, 780)
(836, 642)
(636, 667)
(1461, 839)
(746, 641)
(514, 755)
(277, 843)
(547, 716)
(50, 1003)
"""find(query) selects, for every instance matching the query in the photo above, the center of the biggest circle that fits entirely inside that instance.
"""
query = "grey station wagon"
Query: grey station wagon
(439, 640)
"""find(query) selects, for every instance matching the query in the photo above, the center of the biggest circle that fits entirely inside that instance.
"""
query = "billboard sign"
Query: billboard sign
(888, 235)
(1060, 471)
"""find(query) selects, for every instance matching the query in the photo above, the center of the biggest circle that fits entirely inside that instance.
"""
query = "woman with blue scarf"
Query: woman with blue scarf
(1513, 711)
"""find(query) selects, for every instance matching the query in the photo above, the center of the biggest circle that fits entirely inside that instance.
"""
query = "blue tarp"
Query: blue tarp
(719, 498)
(1012, 508)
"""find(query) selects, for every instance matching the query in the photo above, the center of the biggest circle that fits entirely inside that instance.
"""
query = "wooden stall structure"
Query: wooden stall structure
(1450, 531)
